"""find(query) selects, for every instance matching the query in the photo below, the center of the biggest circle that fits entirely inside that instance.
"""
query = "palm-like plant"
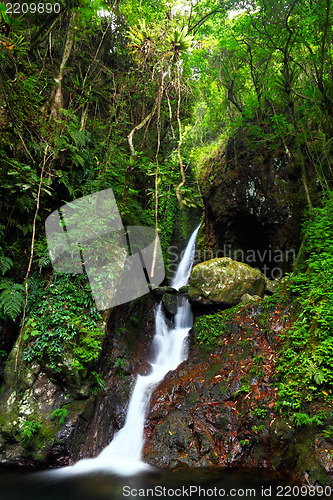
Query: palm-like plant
(140, 38)
(181, 42)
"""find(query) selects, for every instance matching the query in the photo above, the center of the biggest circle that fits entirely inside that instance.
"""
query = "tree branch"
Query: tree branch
(138, 127)
(203, 19)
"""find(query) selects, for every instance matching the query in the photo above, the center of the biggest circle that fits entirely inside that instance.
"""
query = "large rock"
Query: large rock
(224, 282)
(170, 301)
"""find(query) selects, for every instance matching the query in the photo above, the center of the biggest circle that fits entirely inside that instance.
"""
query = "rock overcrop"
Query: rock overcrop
(224, 282)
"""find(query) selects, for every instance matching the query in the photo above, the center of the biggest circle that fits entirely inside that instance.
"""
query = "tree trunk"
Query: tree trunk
(57, 97)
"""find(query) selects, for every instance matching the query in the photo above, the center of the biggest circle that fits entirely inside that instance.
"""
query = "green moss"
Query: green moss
(305, 362)
(210, 328)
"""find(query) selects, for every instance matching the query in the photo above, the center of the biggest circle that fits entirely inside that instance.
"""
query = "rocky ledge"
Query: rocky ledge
(219, 407)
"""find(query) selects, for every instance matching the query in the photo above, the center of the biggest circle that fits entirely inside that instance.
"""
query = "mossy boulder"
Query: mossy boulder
(170, 302)
(223, 282)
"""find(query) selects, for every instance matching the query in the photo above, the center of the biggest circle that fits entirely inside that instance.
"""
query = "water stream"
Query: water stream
(123, 454)
(118, 471)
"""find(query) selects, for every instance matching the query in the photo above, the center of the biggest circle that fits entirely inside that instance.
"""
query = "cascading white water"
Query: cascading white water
(123, 454)
(183, 272)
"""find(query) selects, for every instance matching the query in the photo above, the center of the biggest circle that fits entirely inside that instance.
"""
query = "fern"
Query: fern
(11, 299)
(304, 419)
(5, 264)
(316, 373)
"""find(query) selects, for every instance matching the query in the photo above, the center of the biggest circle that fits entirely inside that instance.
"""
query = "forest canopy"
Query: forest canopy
(136, 95)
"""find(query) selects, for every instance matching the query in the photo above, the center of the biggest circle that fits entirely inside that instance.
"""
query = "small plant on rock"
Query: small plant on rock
(59, 414)
(28, 431)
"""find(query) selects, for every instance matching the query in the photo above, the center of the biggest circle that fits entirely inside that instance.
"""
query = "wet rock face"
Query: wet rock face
(125, 353)
(8, 335)
(253, 204)
(202, 413)
(218, 407)
(224, 282)
(93, 405)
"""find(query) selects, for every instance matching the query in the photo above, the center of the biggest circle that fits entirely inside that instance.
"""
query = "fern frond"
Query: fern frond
(11, 299)
(5, 264)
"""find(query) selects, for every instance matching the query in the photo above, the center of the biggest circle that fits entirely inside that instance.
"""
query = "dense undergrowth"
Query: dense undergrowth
(303, 362)
(62, 321)
(305, 366)
(73, 89)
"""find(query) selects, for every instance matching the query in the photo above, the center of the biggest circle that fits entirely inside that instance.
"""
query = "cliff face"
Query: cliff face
(253, 197)
(55, 417)
(219, 407)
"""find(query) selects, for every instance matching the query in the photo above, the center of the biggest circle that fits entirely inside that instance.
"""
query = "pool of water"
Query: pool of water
(189, 483)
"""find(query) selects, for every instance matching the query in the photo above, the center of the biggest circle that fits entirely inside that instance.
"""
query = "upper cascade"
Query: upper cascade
(184, 269)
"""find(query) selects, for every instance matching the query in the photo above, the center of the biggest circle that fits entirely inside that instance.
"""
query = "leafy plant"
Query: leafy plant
(181, 42)
(98, 384)
(119, 367)
(59, 414)
(259, 412)
(328, 432)
(305, 364)
(11, 298)
(304, 419)
(210, 327)
(62, 321)
(245, 387)
(258, 429)
(5, 263)
(28, 431)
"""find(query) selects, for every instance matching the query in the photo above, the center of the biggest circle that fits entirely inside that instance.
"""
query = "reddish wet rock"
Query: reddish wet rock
(219, 407)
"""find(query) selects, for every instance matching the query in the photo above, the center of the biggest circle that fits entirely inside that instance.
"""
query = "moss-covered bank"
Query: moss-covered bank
(222, 407)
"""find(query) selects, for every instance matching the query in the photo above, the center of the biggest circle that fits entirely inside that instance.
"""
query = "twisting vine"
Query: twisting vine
(45, 159)
(159, 100)
(181, 165)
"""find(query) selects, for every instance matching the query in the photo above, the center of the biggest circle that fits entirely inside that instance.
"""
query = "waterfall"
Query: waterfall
(123, 454)
(183, 272)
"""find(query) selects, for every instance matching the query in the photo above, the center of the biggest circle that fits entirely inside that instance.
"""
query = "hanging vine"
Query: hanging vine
(26, 279)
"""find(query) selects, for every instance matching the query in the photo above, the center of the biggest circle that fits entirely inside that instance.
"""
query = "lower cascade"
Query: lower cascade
(123, 455)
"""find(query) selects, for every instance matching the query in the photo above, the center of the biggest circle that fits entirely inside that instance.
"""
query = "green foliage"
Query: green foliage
(62, 320)
(304, 419)
(12, 299)
(265, 69)
(181, 42)
(98, 384)
(102, 95)
(119, 367)
(305, 365)
(59, 414)
(245, 387)
(5, 264)
(210, 327)
(259, 412)
(28, 431)
(328, 432)
(258, 429)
